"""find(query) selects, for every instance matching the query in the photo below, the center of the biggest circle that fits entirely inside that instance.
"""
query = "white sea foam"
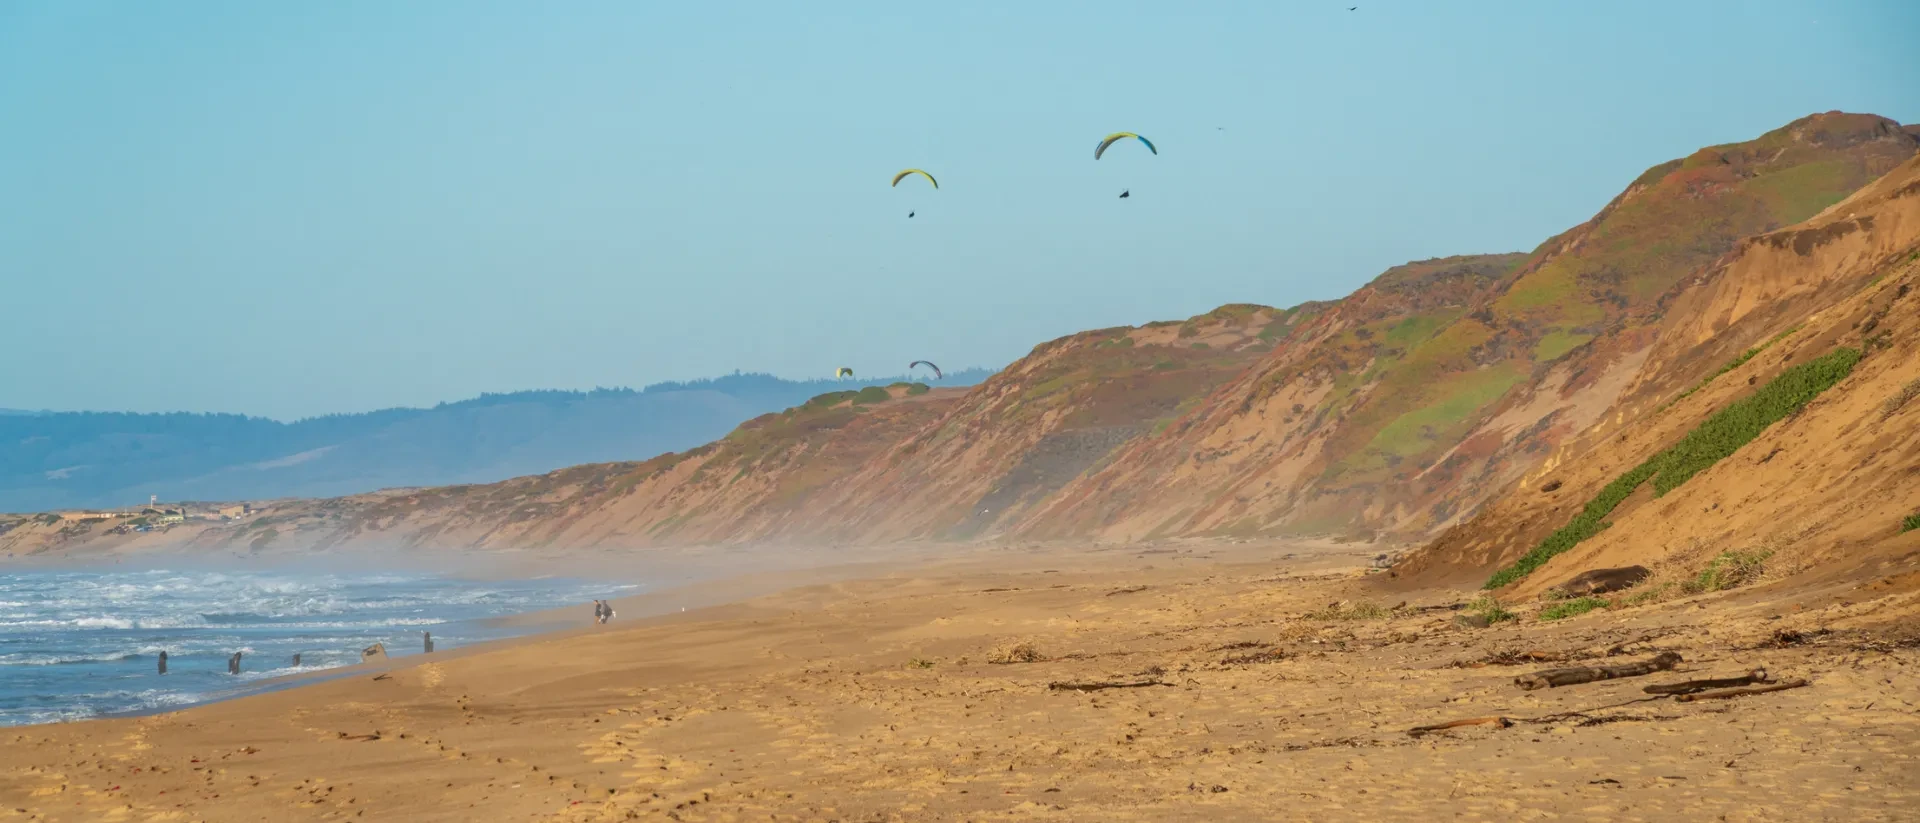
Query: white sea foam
(80, 644)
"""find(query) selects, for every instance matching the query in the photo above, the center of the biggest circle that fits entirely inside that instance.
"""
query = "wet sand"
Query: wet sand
(924, 692)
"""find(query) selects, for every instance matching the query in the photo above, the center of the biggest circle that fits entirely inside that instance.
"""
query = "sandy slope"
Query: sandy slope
(1825, 489)
(877, 700)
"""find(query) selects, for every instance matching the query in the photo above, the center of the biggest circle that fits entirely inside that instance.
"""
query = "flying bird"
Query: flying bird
(909, 214)
(1124, 194)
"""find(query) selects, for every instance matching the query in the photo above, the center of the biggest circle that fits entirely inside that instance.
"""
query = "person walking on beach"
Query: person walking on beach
(163, 662)
(599, 612)
(429, 639)
(296, 660)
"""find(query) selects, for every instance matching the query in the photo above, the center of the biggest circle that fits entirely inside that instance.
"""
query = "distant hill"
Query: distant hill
(53, 460)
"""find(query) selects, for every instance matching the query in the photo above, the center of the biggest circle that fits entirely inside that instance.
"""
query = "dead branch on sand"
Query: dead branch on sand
(1500, 722)
(1263, 656)
(1691, 686)
(1104, 684)
(1555, 678)
(1586, 718)
(1509, 658)
(1726, 693)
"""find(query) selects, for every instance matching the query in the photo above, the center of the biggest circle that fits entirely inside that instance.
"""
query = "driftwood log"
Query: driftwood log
(1691, 686)
(1104, 684)
(1501, 722)
(1554, 678)
(1726, 693)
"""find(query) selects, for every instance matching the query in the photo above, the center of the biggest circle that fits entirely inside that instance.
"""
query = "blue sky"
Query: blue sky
(292, 209)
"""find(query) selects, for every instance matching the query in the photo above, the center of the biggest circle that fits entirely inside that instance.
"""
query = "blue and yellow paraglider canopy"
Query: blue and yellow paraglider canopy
(903, 175)
(1118, 136)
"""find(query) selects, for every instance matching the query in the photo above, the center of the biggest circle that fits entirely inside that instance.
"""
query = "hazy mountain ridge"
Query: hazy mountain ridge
(51, 460)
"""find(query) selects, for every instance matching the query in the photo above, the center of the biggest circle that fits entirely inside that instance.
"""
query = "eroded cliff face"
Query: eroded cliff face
(1825, 489)
(1402, 421)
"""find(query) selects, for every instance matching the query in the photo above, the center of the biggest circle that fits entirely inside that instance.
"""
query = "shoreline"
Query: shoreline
(697, 596)
(1185, 680)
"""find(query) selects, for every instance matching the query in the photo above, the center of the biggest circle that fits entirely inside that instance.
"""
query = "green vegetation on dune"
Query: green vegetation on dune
(1675, 219)
(1557, 343)
(822, 401)
(1416, 329)
(1725, 432)
(1549, 287)
(1487, 607)
(1735, 363)
(1572, 608)
(1720, 435)
(1803, 191)
(870, 395)
(1454, 401)
(1729, 570)
(1911, 522)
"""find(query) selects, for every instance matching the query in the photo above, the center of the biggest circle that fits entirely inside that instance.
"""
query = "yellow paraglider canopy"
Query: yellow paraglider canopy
(843, 371)
(903, 175)
(1118, 136)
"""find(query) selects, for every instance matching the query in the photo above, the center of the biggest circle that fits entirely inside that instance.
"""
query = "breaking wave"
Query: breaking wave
(83, 644)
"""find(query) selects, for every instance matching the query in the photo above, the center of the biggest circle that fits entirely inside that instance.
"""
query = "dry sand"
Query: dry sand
(879, 699)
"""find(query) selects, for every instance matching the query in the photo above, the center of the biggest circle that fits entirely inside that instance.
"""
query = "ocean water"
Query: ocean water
(77, 644)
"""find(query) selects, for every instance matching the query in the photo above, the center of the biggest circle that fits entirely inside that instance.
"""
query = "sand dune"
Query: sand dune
(881, 699)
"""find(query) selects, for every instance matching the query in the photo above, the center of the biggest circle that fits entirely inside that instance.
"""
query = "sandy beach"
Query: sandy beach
(1186, 681)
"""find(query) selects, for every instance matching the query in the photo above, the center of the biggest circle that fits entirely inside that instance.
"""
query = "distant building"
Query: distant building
(173, 518)
(233, 512)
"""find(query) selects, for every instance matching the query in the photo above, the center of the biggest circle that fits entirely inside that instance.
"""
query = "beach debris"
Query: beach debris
(1726, 693)
(1127, 590)
(377, 651)
(1555, 678)
(1691, 686)
(1551, 487)
(1626, 646)
(1603, 581)
(1782, 638)
(1496, 721)
(1017, 653)
(1473, 621)
(1062, 686)
(380, 677)
(1511, 657)
(1268, 655)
